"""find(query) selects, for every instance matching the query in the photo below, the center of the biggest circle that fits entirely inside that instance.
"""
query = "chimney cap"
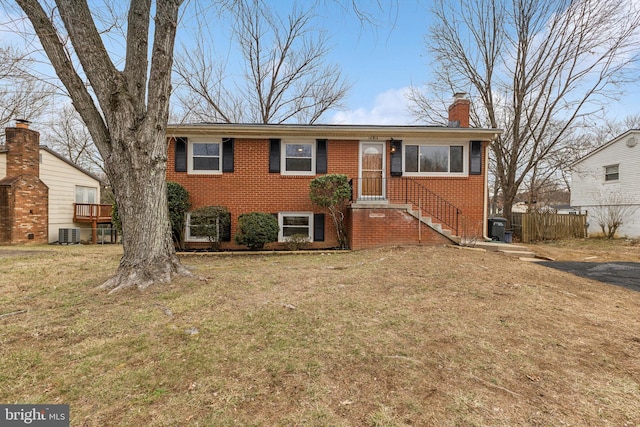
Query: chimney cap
(23, 123)
(460, 95)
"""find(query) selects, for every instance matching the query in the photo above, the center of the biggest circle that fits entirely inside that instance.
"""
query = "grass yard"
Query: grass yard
(404, 336)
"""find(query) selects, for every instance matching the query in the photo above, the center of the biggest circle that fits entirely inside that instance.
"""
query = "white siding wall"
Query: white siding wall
(62, 179)
(589, 188)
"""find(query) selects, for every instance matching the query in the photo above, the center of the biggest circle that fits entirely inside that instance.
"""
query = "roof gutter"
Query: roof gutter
(374, 132)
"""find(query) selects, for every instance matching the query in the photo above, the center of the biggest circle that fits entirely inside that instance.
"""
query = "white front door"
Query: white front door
(372, 170)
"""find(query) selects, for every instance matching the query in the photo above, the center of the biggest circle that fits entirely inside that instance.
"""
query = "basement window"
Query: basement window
(292, 223)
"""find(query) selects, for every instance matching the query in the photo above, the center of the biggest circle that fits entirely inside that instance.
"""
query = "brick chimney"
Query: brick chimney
(459, 111)
(23, 150)
(24, 198)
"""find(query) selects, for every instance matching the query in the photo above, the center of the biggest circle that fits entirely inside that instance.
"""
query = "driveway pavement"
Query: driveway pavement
(625, 274)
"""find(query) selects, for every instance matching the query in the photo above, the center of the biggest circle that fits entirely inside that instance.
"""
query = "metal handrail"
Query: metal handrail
(408, 191)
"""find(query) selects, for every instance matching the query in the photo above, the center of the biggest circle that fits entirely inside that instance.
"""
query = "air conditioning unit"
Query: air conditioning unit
(68, 235)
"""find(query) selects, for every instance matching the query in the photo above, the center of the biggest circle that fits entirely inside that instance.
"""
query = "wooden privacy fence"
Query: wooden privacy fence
(536, 226)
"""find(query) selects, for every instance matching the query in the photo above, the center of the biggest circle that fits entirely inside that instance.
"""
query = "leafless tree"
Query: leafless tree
(534, 68)
(70, 137)
(124, 102)
(126, 113)
(285, 78)
(22, 96)
(611, 210)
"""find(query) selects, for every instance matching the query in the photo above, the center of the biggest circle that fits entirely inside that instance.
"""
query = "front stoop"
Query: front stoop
(402, 232)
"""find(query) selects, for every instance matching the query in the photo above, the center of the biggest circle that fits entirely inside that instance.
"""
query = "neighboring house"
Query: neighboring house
(605, 183)
(410, 184)
(41, 192)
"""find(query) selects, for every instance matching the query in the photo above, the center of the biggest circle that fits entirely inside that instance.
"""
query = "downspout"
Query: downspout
(485, 215)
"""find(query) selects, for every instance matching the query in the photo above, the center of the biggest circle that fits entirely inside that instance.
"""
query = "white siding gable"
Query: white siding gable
(62, 179)
(589, 187)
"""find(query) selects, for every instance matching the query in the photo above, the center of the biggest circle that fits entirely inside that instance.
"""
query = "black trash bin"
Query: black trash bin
(497, 227)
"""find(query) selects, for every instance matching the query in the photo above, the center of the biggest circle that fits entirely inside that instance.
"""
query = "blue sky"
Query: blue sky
(381, 61)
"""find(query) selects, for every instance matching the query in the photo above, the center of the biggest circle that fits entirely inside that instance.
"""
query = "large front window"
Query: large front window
(434, 159)
(298, 158)
(292, 224)
(205, 157)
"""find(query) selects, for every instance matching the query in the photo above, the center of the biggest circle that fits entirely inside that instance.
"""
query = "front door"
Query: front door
(371, 170)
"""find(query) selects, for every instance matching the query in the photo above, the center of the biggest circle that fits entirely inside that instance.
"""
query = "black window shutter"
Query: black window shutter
(318, 227)
(321, 156)
(181, 154)
(274, 156)
(227, 154)
(225, 233)
(396, 158)
(475, 158)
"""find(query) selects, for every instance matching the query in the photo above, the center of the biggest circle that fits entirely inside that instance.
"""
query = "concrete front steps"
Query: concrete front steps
(428, 221)
(516, 251)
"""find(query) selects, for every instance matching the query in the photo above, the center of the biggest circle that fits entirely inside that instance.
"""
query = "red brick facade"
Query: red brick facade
(250, 187)
(24, 198)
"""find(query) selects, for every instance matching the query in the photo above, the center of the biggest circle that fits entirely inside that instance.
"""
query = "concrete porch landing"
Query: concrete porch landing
(509, 249)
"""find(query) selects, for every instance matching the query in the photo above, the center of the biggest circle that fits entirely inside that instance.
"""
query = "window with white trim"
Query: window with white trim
(298, 158)
(205, 157)
(292, 223)
(201, 229)
(86, 194)
(434, 159)
(612, 173)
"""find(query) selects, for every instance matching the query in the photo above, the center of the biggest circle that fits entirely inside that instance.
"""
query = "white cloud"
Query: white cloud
(390, 108)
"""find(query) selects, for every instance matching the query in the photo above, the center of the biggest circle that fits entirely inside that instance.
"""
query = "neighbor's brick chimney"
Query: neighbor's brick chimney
(24, 198)
(459, 111)
(23, 150)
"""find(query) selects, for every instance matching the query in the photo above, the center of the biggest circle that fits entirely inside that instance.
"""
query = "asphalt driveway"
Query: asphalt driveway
(625, 274)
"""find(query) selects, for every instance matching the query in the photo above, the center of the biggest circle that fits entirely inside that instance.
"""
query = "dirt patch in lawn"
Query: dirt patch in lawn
(403, 336)
(589, 250)
(7, 253)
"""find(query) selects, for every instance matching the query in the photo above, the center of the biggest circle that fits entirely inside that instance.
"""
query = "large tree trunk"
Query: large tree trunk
(126, 113)
(139, 185)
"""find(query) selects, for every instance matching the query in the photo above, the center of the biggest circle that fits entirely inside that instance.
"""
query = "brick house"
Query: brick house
(41, 192)
(410, 184)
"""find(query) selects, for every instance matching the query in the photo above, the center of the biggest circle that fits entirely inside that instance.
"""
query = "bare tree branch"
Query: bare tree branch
(285, 79)
(535, 69)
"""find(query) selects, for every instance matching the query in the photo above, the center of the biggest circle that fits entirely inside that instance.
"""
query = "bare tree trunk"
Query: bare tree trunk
(126, 113)
(139, 184)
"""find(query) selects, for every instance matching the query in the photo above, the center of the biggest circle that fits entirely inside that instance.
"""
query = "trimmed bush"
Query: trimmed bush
(256, 229)
(332, 192)
(179, 204)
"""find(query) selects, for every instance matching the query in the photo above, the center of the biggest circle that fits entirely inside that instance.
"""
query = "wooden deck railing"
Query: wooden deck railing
(90, 212)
